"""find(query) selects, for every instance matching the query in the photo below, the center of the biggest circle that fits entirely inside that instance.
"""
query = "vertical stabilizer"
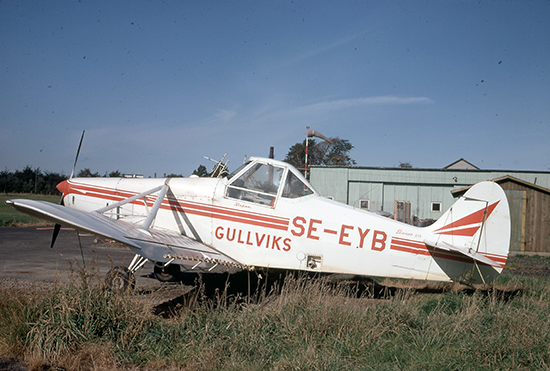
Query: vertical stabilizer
(477, 226)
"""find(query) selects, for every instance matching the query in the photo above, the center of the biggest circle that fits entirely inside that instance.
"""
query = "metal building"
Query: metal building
(415, 196)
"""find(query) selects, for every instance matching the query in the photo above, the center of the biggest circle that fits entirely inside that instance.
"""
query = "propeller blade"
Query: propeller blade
(77, 153)
(56, 229)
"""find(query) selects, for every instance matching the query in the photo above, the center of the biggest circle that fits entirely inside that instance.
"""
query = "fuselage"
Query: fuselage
(284, 225)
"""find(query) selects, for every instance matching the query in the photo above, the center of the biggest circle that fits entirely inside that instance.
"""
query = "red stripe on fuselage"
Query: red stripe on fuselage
(419, 248)
(194, 208)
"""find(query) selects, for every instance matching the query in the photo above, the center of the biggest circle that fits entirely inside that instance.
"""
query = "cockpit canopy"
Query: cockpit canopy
(263, 181)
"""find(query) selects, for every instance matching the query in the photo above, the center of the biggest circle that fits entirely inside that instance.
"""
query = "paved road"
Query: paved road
(25, 253)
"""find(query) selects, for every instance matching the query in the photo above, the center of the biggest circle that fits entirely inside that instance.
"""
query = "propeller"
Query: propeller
(77, 153)
(57, 227)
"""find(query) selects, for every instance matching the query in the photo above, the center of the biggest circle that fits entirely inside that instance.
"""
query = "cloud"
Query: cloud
(341, 104)
(221, 117)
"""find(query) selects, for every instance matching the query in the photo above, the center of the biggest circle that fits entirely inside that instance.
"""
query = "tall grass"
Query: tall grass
(305, 324)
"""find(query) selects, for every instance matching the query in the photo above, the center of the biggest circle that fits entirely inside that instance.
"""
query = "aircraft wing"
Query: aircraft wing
(156, 245)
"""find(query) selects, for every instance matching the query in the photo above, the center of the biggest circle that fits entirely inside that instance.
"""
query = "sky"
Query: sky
(157, 85)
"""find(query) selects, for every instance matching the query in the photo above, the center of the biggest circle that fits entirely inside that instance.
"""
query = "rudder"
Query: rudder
(478, 226)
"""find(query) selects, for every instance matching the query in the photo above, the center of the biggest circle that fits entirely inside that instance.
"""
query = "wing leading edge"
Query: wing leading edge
(152, 244)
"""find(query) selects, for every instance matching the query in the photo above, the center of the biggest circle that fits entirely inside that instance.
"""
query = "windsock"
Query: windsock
(313, 133)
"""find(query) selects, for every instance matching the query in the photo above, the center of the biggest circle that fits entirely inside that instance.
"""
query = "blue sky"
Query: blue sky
(157, 85)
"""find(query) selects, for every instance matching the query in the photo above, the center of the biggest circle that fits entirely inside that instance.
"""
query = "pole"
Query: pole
(307, 145)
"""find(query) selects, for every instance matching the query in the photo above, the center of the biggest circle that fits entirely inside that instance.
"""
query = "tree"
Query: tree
(219, 171)
(201, 171)
(320, 153)
(338, 153)
(87, 173)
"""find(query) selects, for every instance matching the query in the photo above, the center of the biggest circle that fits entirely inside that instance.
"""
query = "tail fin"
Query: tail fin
(477, 226)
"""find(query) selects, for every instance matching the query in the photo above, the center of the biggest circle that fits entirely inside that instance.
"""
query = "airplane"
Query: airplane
(266, 215)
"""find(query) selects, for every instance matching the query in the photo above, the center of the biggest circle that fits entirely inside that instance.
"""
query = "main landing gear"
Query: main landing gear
(121, 279)
(167, 273)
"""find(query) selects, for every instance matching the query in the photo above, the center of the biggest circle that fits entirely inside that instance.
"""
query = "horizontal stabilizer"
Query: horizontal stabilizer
(442, 245)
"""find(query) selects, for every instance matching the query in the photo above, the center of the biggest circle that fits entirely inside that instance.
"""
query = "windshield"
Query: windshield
(294, 187)
(233, 173)
(258, 184)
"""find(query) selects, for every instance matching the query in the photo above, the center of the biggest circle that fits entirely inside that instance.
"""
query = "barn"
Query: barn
(529, 214)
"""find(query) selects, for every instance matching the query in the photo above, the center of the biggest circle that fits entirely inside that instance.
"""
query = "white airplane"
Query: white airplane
(265, 215)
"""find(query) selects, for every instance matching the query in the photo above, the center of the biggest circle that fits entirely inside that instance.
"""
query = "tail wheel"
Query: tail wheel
(170, 273)
(120, 280)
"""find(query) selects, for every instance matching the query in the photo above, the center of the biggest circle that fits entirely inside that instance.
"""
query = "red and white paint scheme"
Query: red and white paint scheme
(267, 215)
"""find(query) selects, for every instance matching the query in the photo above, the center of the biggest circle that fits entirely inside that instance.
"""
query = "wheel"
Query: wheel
(120, 279)
(170, 273)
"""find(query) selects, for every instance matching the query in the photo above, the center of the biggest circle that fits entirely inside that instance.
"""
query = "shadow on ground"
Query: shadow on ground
(247, 288)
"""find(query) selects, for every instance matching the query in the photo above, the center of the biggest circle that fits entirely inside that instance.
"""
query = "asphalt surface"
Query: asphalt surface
(25, 253)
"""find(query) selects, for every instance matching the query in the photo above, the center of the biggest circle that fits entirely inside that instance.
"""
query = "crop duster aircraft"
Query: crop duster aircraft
(266, 215)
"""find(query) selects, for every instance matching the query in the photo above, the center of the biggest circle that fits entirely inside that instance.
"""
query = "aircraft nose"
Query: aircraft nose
(64, 187)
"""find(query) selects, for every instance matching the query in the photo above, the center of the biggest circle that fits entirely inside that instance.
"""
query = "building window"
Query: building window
(436, 207)
(364, 204)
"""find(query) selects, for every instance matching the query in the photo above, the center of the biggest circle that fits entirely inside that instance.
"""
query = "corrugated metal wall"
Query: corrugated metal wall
(380, 188)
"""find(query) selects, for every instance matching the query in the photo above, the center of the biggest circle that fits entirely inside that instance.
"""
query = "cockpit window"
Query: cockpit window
(294, 187)
(258, 184)
(233, 173)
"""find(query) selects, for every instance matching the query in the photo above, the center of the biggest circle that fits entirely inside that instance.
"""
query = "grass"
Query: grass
(309, 324)
(9, 217)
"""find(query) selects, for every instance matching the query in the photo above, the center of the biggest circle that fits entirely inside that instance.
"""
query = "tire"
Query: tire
(170, 273)
(120, 280)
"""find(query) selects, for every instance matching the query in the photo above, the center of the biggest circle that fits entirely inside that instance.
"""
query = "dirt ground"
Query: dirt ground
(28, 264)
(25, 253)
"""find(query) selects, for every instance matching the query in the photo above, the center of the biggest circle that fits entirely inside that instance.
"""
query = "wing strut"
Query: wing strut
(156, 206)
(153, 213)
(128, 200)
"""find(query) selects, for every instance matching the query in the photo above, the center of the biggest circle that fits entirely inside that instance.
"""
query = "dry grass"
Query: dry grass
(303, 324)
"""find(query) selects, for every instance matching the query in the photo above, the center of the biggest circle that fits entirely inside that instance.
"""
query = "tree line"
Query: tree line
(31, 180)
